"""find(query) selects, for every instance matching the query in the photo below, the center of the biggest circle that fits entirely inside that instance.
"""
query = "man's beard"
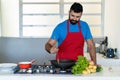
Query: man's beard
(73, 21)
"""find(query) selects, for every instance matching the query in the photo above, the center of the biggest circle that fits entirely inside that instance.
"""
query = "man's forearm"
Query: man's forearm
(48, 47)
(93, 55)
(92, 52)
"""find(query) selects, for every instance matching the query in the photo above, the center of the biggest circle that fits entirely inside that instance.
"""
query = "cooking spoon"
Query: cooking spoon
(58, 61)
(58, 55)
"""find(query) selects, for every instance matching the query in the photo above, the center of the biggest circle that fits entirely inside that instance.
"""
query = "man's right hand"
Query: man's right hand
(54, 49)
(50, 46)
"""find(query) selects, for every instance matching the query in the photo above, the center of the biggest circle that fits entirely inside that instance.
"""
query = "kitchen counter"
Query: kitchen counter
(111, 71)
(106, 74)
(103, 60)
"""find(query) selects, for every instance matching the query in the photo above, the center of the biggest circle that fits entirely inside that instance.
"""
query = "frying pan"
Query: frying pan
(63, 64)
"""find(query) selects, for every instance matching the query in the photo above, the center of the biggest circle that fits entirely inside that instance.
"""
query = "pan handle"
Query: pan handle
(33, 60)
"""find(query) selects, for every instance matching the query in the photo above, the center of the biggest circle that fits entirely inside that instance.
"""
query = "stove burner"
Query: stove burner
(62, 71)
(41, 69)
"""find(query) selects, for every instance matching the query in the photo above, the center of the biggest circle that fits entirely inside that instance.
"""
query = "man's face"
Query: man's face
(74, 17)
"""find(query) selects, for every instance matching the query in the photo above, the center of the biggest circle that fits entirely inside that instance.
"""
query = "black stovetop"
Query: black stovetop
(41, 69)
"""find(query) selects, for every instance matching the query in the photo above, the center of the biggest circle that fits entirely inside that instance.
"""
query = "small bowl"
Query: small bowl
(25, 65)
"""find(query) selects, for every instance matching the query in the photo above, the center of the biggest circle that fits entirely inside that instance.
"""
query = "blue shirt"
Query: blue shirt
(60, 31)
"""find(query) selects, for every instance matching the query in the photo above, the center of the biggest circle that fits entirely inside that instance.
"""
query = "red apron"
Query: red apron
(72, 46)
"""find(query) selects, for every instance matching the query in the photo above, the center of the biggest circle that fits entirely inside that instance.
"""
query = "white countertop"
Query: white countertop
(102, 60)
(106, 74)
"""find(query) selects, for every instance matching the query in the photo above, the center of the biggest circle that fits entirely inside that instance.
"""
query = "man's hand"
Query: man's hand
(54, 49)
(50, 46)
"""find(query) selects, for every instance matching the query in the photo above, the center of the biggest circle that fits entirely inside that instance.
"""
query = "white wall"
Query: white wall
(0, 18)
(112, 22)
(10, 17)
(10, 25)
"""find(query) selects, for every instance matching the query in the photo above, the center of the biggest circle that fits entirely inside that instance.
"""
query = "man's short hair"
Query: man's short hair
(76, 7)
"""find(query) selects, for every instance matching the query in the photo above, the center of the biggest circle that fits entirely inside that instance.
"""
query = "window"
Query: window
(38, 18)
(0, 19)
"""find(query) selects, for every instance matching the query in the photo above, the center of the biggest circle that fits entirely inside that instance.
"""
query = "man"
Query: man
(71, 35)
